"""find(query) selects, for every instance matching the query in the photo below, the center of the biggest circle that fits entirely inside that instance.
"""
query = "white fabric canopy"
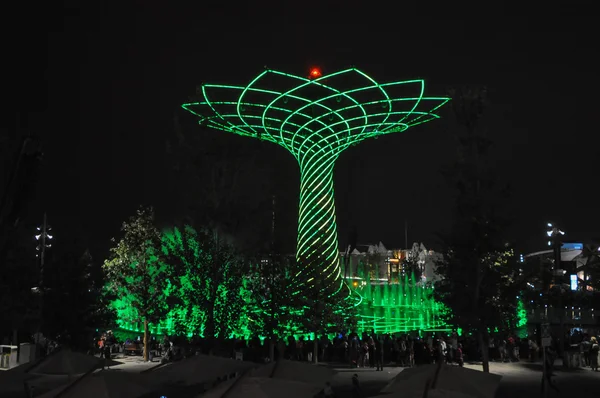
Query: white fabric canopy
(66, 362)
(295, 371)
(106, 384)
(469, 382)
(196, 370)
(261, 387)
(437, 393)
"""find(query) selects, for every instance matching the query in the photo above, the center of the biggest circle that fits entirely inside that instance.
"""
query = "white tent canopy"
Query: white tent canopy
(295, 371)
(454, 379)
(109, 384)
(263, 387)
(65, 362)
(196, 370)
(437, 393)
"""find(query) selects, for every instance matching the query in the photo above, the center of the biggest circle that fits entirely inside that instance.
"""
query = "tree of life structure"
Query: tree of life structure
(315, 118)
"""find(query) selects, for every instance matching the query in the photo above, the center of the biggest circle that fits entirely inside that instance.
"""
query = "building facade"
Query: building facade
(389, 265)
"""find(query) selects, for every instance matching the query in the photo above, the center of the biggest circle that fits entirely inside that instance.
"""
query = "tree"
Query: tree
(478, 269)
(70, 284)
(18, 275)
(221, 178)
(138, 275)
(270, 302)
(211, 280)
(320, 310)
(589, 261)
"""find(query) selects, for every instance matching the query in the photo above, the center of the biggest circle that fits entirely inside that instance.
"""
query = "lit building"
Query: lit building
(574, 263)
(387, 265)
(573, 274)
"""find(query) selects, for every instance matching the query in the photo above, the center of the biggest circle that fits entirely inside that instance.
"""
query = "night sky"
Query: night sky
(116, 74)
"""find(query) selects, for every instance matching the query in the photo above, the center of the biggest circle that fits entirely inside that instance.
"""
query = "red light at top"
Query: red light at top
(315, 73)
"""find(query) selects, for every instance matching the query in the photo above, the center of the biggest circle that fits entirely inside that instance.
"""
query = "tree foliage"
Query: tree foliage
(223, 177)
(270, 305)
(137, 273)
(211, 281)
(479, 269)
(321, 310)
(590, 264)
(496, 289)
(73, 301)
(18, 274)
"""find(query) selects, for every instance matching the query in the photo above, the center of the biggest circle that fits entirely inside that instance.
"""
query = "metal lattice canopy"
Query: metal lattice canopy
(315, 120)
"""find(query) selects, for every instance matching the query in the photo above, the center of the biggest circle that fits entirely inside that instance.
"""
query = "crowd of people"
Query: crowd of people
(366, 350)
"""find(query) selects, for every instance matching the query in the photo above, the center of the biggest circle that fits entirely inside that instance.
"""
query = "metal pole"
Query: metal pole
(43, 254)
(544, 373)
(41, 287)
(558, 282)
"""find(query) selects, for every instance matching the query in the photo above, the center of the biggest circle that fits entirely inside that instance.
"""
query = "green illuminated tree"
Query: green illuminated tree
(315, 118)
(138, 275)
(211, 276)
(270, 301)
(320, 311)
(478, 270)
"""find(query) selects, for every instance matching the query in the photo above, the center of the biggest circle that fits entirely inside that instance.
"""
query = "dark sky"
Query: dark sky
(116, 73)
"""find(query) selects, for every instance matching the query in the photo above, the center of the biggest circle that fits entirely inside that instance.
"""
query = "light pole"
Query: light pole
(44, 237)
(554, 234)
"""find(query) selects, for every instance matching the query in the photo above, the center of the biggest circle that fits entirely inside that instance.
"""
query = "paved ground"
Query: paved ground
(133, 364)
(523, 380)
(519, 380)
(371, 381)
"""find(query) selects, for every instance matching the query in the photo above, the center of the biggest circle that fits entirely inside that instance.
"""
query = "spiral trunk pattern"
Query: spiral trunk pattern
(315, 120)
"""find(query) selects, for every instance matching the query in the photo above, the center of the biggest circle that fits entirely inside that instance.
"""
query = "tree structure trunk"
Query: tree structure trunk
(146, 341)
(272, 350)
(485, 351)
(316, 349)
(317, 252)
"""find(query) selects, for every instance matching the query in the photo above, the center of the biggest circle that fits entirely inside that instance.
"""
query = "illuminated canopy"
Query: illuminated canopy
(315, 119)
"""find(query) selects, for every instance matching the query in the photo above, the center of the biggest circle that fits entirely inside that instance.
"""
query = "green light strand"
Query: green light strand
(315, 120)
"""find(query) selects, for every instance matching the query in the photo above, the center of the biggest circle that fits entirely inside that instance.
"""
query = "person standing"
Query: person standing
(594, 350)
(107, 355)
(378, 353)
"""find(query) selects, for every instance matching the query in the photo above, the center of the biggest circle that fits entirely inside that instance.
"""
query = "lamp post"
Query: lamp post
(44, 237)
(554, 240)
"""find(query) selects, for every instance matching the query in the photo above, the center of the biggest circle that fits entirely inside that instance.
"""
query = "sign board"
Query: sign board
(546, 335)
(573, 279)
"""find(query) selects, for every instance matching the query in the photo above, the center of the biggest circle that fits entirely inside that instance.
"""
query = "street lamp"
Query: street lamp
(554, 234)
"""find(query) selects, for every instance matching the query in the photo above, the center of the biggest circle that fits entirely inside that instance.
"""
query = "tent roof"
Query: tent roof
(263, 387)
(296, 371)
(451, 378)
(65, 362)
(106, 384)
(196, 370)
